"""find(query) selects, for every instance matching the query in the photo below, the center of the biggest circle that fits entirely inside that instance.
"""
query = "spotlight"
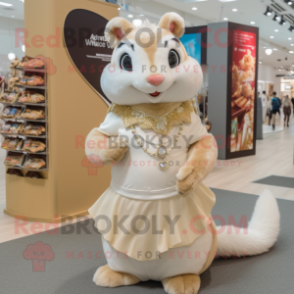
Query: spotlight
(289, 2)
(268, 51)
(268, 12)
(282, 22)
(277, 17)
(291, 29)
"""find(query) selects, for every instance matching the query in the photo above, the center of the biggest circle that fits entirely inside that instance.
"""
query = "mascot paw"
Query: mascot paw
(105, 277)
(114, 155)
(187, 180)
(186, 284)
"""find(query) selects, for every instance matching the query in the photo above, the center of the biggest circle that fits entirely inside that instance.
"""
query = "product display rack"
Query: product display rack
(44, 122)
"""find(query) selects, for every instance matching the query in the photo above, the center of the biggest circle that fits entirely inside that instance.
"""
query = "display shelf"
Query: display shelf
(27, 169)
(26, 152)
(31, 70)
(24, 120)
(30, 87)
(16, 103)
(26, 136)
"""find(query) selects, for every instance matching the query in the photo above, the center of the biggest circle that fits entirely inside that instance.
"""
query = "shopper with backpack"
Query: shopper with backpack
(276, 104)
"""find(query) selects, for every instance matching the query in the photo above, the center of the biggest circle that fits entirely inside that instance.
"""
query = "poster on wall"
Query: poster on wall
(192, 44)
(87, 47)
(243, 91)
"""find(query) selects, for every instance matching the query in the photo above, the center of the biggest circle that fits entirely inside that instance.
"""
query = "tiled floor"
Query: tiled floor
(274, 157)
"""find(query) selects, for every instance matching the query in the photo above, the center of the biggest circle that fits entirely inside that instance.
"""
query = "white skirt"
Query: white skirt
(144, 230)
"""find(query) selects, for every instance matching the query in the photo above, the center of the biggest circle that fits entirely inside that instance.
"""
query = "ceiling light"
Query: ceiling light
(234, 9)
(291, 29)
(291, 52)
(268, 12)
(282, 22)
(11, 56)
(137, 22)
(130, 16)
(194, 8)
(276, 30)
(292, 44)
(253, 22)
(289, 2)
(271, 37)
(277, 17)
(5, 4)
(260, 62)
(289, 38)
(275, 49)
(225, 18)
(268, 51)
(118, 8)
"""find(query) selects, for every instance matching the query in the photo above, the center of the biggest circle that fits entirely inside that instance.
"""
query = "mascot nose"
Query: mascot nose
(155, 80)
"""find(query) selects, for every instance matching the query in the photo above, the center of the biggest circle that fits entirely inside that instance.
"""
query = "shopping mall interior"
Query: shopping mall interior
(79, 74)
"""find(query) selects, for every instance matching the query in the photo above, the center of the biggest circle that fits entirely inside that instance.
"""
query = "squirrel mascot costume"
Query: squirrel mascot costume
(155, 218)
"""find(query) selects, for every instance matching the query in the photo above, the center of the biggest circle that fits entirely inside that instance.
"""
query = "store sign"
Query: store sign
(87, 46)
(243, 91)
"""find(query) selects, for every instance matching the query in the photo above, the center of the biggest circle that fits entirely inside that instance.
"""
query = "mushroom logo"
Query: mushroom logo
(39, 253)
(92, 163)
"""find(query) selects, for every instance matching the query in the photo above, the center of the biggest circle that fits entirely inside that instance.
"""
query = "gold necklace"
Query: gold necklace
(162, 151)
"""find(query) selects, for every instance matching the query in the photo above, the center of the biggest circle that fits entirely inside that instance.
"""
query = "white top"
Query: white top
(137, 175)
(264, 100)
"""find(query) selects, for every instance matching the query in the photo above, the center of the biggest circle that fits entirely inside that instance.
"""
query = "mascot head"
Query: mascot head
(149, 63)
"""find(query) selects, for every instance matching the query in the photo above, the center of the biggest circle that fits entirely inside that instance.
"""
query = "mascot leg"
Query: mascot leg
(185, 284)
(106, 277)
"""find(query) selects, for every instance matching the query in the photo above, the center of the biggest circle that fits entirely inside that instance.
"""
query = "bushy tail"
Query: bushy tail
(262, 233)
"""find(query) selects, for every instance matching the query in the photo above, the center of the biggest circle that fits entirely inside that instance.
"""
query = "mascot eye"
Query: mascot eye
(173, 58)
(126, 62)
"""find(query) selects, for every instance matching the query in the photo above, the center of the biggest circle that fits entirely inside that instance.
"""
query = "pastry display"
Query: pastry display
(12, 82)
(14, 159)
(242, 103)
(9, 97)
(31, 97)
(33, 114)
(11, 112)
(24, 61)
(33, 162)
(35, 81)
(33, 130)
(33, 146)
(12, 128)
(12, 144)
(34, 64)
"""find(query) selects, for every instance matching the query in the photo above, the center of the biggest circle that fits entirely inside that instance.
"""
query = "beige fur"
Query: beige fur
(157, 109)
(185, 284)
(102, 149)
(201, 159)
(117, 23)
(176, 20)
(105, 277)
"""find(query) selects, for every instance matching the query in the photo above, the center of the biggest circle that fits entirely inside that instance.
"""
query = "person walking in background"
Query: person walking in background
(287, 110)
(264, 105)
(292, 104)
(276, 105)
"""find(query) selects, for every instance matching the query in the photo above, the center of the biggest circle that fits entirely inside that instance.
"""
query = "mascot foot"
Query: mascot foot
(106, 277)
(185, 284)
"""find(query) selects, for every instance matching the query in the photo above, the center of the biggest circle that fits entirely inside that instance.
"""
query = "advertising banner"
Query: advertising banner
(243, 90)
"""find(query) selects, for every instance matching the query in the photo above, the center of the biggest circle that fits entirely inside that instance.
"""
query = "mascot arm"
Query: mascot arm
(201, 159)
(109, 149)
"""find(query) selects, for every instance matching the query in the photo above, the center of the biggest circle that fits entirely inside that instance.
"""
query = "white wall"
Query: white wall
(267, 75)
(7, 44)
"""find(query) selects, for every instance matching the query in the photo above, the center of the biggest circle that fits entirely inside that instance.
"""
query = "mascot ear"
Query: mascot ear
(174, 23)
(116, 30)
